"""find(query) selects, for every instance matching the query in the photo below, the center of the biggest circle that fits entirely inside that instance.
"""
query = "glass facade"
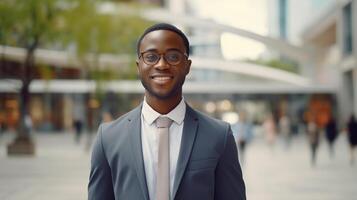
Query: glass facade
(283, 18)
(318, 4)
(347, 29)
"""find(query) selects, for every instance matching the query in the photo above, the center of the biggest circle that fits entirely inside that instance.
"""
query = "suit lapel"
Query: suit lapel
(188, 138)
(134, 128)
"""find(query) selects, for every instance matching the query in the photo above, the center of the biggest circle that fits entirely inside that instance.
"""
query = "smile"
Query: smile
(161, 79)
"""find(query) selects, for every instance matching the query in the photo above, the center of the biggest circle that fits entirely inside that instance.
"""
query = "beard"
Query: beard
(177, 89)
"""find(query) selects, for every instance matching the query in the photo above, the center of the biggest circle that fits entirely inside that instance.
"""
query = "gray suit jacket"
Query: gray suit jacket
(207, 166)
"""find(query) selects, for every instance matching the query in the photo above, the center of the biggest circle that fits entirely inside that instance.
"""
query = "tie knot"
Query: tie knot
(163, 122)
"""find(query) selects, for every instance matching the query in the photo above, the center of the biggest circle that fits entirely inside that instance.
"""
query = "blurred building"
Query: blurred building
(333, 37)
(289, 18)
(325, 29)
(216, 86)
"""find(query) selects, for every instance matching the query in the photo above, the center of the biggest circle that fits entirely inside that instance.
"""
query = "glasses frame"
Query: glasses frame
(162, 55)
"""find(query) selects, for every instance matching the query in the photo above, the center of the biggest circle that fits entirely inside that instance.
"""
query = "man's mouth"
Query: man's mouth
(161, 79)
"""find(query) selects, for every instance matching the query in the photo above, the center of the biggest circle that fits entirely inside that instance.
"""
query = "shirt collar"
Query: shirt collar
(177, 114)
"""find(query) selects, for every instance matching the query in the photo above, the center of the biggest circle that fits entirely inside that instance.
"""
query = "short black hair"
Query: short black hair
(164, 26)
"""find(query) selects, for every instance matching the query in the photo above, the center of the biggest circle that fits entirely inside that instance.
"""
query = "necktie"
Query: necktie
(163, 167)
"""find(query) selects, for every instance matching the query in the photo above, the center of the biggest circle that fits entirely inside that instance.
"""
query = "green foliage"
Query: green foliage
(102, 33)
(126, 32)
(28, 23)
(98, 33)
(45, 72)
(62, 24)
(278, 64)
(131, 72)
(6, 20)
(58, 24)
(103, 74)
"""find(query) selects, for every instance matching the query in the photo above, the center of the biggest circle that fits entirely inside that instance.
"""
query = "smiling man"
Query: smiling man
(164, 149)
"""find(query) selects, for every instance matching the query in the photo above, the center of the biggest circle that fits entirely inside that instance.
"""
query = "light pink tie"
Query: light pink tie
(163, 167)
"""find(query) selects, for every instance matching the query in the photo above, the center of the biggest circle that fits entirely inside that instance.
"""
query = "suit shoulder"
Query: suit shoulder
(115, 127)
(212, 132)
(212, 122)
(120, 120)
(117, 121)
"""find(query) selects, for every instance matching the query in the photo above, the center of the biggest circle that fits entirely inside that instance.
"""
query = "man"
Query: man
(164, 149)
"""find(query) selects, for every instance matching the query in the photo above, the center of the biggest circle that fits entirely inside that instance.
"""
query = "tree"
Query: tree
(27, 24)
(100, 33)
(31, 24)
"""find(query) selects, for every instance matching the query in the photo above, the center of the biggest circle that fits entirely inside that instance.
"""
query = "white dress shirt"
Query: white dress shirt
(150, 142)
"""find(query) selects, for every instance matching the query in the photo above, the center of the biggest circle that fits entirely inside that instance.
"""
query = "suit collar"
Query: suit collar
(188, 138)
(134, 127)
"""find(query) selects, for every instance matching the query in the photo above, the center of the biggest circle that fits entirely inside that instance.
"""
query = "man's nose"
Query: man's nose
(162, 63)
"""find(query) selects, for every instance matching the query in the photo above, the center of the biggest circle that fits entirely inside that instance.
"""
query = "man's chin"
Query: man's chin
(161, 93)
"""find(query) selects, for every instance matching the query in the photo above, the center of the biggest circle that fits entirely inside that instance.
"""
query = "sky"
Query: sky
(246, 14)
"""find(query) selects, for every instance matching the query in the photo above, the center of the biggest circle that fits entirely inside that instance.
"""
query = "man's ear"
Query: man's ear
(137, 65)
(188, 66)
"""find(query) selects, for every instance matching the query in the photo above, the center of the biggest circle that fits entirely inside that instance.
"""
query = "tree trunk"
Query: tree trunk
(23, 144)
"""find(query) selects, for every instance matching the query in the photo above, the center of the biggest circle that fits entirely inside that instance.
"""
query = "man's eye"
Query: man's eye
(173, 57)
(151, 57)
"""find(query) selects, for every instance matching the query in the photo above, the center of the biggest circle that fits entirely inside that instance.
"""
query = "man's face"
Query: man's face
(162, 80)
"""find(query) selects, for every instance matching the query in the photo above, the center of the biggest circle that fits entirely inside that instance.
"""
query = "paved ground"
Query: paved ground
(281, 174)
(60, 171)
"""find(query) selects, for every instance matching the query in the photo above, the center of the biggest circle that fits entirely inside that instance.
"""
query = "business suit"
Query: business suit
(207, 165)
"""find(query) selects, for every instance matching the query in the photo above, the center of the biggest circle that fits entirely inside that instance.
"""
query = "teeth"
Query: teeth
(162, 78)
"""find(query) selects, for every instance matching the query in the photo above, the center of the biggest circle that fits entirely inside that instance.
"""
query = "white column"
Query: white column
(344, 98)
(177, 7)
(354, 40)
(344, 102)
(354, 29)
(354, 90)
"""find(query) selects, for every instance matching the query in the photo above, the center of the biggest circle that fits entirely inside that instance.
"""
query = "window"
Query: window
(283, 18)
(347, 29)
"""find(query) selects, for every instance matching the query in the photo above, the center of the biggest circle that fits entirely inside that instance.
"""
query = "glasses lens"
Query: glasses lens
(151, 57)
(173, 57)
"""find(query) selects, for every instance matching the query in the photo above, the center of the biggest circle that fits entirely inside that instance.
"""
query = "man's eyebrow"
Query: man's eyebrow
(155, 50)
(173, 49)
(151, 49)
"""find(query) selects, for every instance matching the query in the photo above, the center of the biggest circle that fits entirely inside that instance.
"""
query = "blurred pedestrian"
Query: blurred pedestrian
(285, 130)
(244, 135)
(28, 123)
(2, 122)
(78, 113)
(270, 130)
(313, 135)
(106, 117)
(352, 136)
(78, 125)
(331, 133)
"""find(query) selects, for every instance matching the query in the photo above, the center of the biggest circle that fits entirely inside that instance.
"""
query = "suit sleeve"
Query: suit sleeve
(229, 180)
(100, 179)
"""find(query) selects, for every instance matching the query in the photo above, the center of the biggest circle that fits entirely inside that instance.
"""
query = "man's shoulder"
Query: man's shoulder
(210, 121)
(120, 121)
(211, 132)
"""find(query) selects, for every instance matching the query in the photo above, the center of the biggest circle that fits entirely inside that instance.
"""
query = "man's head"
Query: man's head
(163, 61)
(164, 26)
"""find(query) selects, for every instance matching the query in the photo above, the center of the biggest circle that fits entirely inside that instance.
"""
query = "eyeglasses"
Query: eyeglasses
(172, 57)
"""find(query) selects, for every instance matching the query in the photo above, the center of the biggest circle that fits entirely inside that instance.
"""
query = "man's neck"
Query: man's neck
(163, 106)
